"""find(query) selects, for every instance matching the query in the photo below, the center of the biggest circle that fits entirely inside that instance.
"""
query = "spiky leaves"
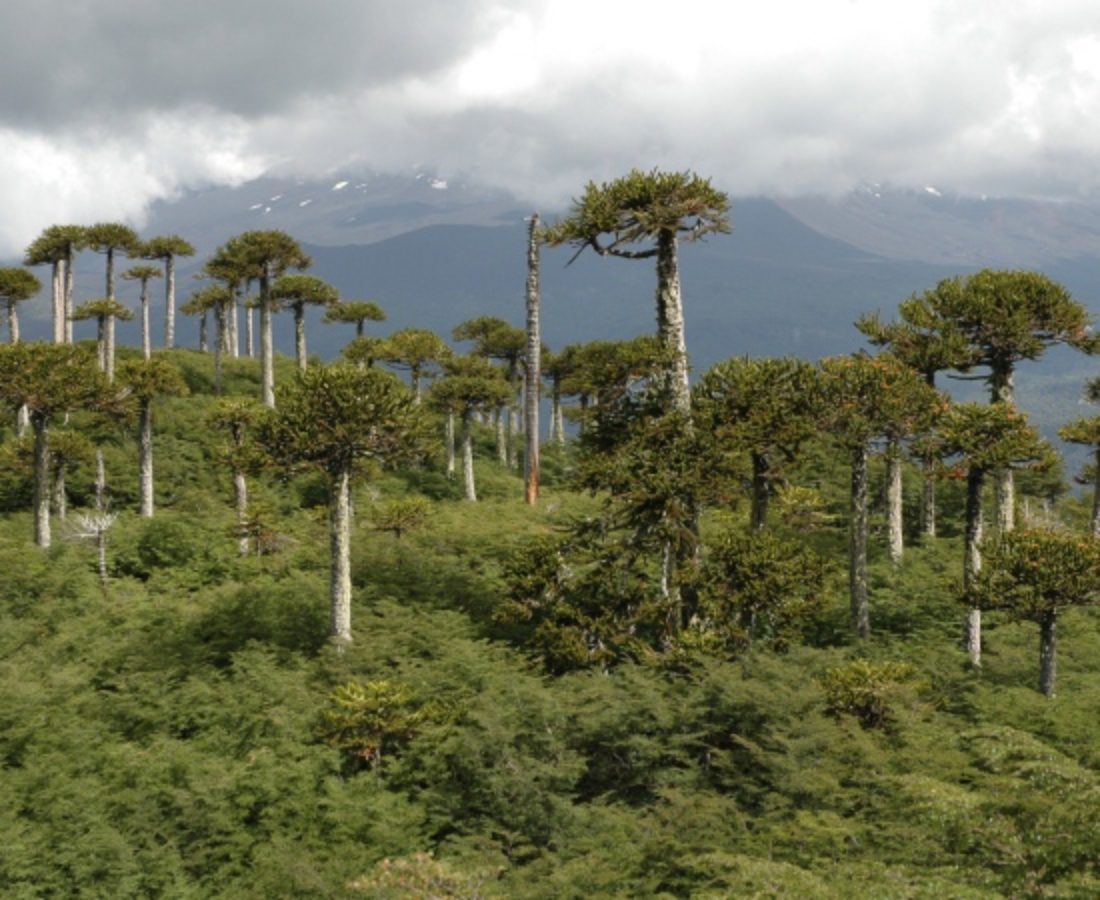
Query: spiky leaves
(336, 420)
(415, 350)
(111, 238)
(355, 311)
(56, 247)
(295, 292)
(1033, 575)
(644, 215)
(16, 286)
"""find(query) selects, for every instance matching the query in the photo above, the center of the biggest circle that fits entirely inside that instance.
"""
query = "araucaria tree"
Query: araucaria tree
(16, 286)
(50, 380)
(1086, 432)
(416, 351)
(237, 417)
(111, 238)
(1033, 575)
(168, 249)
(338, 420)
(57, 246)
(265, 255)
(106, 311)
(983, 440)
(645, 215)
(356, 312)
(867, 398)
(295, 292)
(143, 381)
(143, 275)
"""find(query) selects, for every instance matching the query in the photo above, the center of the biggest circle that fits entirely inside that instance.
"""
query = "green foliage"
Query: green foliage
(866, 690)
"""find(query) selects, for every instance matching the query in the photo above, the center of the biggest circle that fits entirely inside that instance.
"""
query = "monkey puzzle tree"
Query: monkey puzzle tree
(469, 385)
(645, 215)
(354, 311)
(866, 398)
(144, 381)
(200, 305)
(929, 343)
(1033, 575)
(50, 380)
(336, 420)
(110, 238)
(294, 292)
(983, 440)
(57, 246)
(106, 311)
(16, 286)
(143, 275)
(1007, 317)
(767, 407)
(167, 249)
(415, 350)
(494, 338)
(264, 256)
(237, 417)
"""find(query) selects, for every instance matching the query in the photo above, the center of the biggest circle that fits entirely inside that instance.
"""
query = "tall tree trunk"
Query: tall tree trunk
(449, 441)
(857, 545)
(928, 500)
(234, 329)
(267, 348)
(109, 349)
(468, 459)
(414, 376)
(972, 561)
(240, 491)
(203, 342)
(110, 273)
(100, 482)
(60, 498)
(340, 537)
(670, 321)
(758, 514)
(894, 502)
(220, 339)
(1003, 391)
(557, 420)
(101, 342)
(250, 341)
(502, 435)
(169, 301)
(58, 300)
(1048, 651)
(40, 424)
(146, 342)
(68, 299)
(533, 366)
(145, 445)
(300, 335)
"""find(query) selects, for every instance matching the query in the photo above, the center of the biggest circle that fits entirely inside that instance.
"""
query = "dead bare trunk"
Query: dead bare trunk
(533, 365)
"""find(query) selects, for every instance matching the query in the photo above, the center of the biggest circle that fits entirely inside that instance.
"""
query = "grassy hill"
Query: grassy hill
(187, 731)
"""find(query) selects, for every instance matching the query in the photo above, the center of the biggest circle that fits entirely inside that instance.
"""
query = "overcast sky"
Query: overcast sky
(107, 105)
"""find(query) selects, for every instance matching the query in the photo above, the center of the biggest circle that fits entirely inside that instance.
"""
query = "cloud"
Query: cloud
(123, 101)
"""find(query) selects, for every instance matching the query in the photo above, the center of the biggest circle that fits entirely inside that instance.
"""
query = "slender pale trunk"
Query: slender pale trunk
(21, 415)
(250, 341)
(1048, 651)
(533, 366)
(220, 339)
(110, 273)
(101, 342)
(234, 329)
(449, 441)
(267, 348)
(1096, 498)
(40, 424)
(340, 541)
(502, 435)
(67, 302)
(145, 446)
(101, 553)
(58, 288)
(300, 335)
(414, 375)
(100, 482)
(670, 321)
(468, 459)
(203, 342)
(972, 561)
(857, 545)
(1005, 484)
(758, 514)
(928, 500)
(60, 498)
(240, 491)
(146, 343)
(109, 350)
(169, 301)
(557, 420)
(894, 503)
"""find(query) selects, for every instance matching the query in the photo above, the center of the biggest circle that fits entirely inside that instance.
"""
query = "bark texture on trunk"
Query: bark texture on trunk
(857, 545)
(449, 441)
(240, 492)
(41, 480)
(145, 444)
(267, 349)
(146, 341)
(533, 366)
(58, 288)
(894, 503)
(502, 436)
(109, 349)
(1003, 391)
(300, 335)
(100, 482)
(557, 420)
(234, 329)
(972, 561)
(60, 497)
(468, 460)
(1048, 652)
(68, 300)
(340, 541)
(670, 321)
(928, 501)
(169, 302)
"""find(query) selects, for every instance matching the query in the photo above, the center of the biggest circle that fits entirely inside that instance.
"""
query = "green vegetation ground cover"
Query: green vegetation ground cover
(166, 735)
